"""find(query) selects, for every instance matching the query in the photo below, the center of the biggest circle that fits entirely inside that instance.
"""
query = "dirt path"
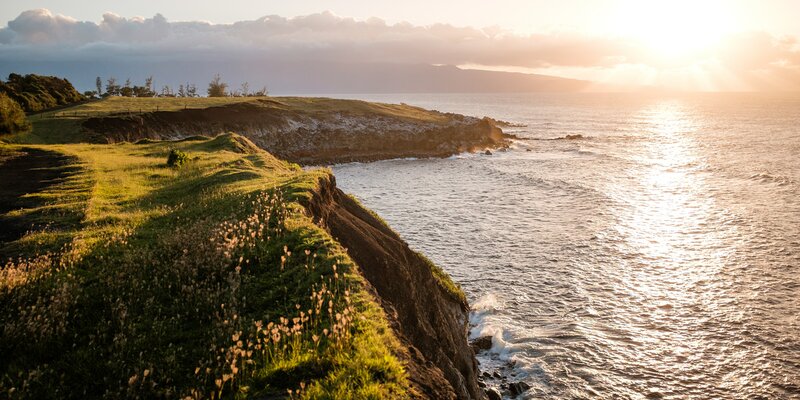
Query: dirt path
(28, 171)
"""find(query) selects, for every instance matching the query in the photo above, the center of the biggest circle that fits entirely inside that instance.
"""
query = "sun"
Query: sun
(677, 28)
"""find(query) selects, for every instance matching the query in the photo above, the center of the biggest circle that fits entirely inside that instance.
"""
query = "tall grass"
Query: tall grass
(208, 282)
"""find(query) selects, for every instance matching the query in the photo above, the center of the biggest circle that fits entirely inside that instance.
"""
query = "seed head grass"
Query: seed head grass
(204, 282)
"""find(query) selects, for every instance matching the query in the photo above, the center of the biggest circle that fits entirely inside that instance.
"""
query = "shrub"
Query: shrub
(37, 92)
(12, 118)
(177, 158)
(217, 88)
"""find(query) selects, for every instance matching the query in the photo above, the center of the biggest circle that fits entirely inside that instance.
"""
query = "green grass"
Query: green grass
(116, 105)
(206, 281)
(324, 105)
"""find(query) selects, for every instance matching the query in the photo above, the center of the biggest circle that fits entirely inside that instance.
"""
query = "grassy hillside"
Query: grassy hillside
(64, 125)
(206, 281)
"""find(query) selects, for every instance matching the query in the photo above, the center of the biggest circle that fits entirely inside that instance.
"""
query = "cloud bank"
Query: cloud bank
(756, 58)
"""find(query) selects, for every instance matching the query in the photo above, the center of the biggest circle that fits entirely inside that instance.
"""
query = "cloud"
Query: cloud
(39, 35)
(322, 36)
(41, 27)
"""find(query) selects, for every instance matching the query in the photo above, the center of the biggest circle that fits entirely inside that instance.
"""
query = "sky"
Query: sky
(523, 16)
(684, 44)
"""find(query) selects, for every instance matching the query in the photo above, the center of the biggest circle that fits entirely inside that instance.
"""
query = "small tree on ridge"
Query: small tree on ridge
(217, 88)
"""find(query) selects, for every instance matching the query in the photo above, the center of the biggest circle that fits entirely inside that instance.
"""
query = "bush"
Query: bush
(12, 118)
(217, 88)
(177, 158)
(38, 92)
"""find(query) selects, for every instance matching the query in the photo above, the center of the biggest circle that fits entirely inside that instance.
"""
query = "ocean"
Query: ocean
(627, 246)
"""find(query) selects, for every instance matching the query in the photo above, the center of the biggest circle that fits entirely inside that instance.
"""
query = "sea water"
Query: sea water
(627, 246)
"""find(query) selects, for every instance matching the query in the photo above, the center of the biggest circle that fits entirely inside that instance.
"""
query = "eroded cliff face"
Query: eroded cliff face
(430, 321)
(333, 134)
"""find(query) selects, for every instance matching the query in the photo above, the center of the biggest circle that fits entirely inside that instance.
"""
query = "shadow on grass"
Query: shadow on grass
(28, 201)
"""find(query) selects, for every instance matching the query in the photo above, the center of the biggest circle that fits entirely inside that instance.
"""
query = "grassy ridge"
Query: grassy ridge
(64, 125)
(205, 281)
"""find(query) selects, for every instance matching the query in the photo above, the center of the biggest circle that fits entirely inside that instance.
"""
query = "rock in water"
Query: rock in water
(493, 394)
(481, 343)
(488, 153)
(518, 388)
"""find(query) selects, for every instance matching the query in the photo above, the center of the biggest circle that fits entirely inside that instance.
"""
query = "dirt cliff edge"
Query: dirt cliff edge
(430, 321)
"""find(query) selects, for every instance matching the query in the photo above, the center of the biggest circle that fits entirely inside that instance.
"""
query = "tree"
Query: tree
(12, 118)
(112, 88)
(245, 89)
(217, 88)
(142, 91)
(181, 91)
(99, 85)
(127, 90)
(148, 83)
(261, 93)
(37, 92)
(191, 90)
(166, 91)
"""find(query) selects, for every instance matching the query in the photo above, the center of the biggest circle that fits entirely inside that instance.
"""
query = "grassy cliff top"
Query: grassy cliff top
(208, 280)
(64, 125)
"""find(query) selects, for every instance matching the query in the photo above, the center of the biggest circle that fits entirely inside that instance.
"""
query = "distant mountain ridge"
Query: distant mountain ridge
(303, 77)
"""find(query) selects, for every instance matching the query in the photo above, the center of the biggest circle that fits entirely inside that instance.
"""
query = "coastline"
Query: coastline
(425, 311)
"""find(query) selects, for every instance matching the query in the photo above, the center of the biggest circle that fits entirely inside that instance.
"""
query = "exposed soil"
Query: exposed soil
(430, 322)
(29, 171)
(311, 138)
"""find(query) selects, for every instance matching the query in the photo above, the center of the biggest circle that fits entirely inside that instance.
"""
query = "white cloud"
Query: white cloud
(325, 37)
(319, 36)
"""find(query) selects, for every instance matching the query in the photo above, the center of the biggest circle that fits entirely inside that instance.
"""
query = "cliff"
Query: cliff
(313, 130)
(236, 275)
(428, 315)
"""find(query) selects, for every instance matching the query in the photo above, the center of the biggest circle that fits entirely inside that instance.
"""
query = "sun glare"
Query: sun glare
(677, 28)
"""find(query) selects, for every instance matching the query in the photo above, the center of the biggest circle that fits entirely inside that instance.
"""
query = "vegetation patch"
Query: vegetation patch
(36, 92)
(12, 118)
(208, 282)
(177, 158)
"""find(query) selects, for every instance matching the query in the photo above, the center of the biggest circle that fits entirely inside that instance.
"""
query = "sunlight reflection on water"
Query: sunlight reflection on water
(656, 257)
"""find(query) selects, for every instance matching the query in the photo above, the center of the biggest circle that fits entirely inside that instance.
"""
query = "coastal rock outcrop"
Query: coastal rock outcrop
(481, 343)
(315, 131)
(430, 321)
